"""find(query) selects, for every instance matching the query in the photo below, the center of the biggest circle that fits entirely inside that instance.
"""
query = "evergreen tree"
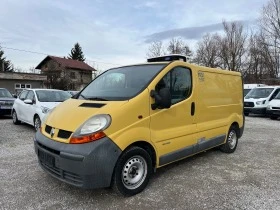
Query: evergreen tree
(77, 53)
(5, 65)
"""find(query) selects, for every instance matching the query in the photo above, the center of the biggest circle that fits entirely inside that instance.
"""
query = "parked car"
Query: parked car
(131, 120)
(248, 87)
(256, 101)
(32, 104)
(6, 102)
(72, 92)
(273, 108)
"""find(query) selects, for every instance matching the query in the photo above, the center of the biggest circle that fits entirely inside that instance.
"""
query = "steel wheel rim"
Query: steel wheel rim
(232, 139)
(134, 172)
(37, 123)
(14, 117)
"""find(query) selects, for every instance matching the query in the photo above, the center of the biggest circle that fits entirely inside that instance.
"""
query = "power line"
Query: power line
(39, 53)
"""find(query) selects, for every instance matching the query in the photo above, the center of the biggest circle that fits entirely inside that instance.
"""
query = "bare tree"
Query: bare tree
(155, 49)
(232, 46)
(207, 53)
(178, 46)
(270, 22)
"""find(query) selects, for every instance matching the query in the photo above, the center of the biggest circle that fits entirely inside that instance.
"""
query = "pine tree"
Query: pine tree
(77, 53)
(5, 65)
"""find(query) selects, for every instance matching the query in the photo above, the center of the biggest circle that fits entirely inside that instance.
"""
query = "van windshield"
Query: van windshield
(277, 96)
(246, 91)
(121, 83)
(259, 93)
(52, 96)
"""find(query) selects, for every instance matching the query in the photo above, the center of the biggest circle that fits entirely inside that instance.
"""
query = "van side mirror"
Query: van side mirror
(14, 95)
(162, 99)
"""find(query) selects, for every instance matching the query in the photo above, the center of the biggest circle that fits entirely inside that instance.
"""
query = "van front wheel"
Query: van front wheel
(132, 171)
(231, 142)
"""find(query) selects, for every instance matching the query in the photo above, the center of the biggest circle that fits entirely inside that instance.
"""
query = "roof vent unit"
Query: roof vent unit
(168, 58)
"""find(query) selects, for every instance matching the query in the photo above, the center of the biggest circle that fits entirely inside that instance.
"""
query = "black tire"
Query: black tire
(231, 142)
(132, 171)
(246, 113)
(273, 117)
(15, 118)
(37, 122)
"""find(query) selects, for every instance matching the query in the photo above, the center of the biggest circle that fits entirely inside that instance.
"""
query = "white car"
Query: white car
(32, 104)
(256, 101)
(273, 108)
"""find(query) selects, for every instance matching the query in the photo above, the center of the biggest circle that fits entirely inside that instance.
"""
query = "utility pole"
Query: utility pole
(2, 66)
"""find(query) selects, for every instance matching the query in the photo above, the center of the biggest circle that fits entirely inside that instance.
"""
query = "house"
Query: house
(15, 82)
(67, 74)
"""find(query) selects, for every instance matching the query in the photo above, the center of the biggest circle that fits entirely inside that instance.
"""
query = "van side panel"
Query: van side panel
(219, 104)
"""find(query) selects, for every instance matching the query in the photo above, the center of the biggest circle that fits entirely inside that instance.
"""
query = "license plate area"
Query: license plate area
(45, 158)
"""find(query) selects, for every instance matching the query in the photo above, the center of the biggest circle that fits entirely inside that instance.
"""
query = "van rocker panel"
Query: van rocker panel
(191, 150)
(89, 166)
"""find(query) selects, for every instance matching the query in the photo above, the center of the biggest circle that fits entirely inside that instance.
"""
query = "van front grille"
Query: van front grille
(61, 133)
(249, 104)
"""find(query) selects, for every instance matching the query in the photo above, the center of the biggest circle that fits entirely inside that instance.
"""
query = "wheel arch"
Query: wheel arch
(148, 147)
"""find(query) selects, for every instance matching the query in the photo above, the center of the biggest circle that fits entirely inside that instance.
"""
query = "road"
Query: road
(246, 179)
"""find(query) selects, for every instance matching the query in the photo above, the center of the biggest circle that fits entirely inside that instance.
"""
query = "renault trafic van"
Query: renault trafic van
(257, 99)
(131, 120)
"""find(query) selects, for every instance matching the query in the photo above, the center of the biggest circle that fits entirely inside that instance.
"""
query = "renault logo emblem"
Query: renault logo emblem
(52, 132)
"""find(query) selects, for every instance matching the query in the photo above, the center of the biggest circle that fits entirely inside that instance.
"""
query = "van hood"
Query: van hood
(275, 103)
(71, 114)
(254, 99)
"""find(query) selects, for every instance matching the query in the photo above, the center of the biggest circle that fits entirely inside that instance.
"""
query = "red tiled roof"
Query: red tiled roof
(67, 63)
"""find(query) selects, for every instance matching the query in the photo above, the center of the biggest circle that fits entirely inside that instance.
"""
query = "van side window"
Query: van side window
(274, 94)
(23, 95)
(179, 82)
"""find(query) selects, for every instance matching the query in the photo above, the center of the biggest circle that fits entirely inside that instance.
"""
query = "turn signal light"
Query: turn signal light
(87, 138)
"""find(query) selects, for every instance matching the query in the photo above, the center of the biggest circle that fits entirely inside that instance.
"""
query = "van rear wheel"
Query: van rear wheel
(132, 171)
(231, 142)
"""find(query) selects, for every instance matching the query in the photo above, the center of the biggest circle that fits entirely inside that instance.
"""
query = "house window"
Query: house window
(17, 85)
(28, 86)
(22, 85)
(72, 75)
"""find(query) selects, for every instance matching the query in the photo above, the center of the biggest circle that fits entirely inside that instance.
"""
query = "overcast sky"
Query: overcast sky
(112, 32)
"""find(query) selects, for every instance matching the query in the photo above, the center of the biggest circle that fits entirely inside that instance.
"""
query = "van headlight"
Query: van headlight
(268, 107)
(260, 102)
(92, 129)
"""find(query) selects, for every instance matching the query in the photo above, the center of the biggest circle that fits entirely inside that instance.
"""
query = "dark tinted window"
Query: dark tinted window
(121, 83)
(179, 81)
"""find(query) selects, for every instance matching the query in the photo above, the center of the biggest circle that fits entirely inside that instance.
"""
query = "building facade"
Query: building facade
(16, 82)
(67, 74)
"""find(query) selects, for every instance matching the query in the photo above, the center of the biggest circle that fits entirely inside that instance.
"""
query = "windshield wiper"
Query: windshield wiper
(84, 96)
(97, 99)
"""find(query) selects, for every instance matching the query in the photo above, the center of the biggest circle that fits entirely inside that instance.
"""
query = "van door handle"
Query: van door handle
(192, 108)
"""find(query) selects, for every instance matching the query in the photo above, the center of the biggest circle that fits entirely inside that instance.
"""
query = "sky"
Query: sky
(111, 33)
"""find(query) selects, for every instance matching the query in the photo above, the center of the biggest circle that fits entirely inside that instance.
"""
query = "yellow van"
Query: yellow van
(131, 120)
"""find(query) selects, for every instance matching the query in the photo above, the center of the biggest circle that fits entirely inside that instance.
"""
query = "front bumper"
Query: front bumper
(87, 166)
(255, 110)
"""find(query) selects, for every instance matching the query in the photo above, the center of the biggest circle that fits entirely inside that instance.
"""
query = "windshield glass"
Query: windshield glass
(5, 94)
(246, 91)
(259, 93)
(121, 83)
(277, 96)
(52, 95)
